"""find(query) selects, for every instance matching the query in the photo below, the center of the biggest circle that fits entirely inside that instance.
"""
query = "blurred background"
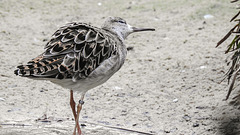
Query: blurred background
(169, 84)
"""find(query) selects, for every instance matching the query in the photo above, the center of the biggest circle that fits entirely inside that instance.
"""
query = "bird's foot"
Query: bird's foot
(79, 131)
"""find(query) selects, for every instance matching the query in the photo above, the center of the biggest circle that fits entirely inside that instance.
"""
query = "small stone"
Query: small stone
(175, 100)
(195, 125)
(186, 117)
(202, 67)
(117, 88)
(59, 120)
(44, 40)
(208, 16)
(166, 131)
(200, 107)
(83, 125)
(134, 124)
(129, 7)
(130, 48)
(45, 121)
(85, 117)
(200, 28)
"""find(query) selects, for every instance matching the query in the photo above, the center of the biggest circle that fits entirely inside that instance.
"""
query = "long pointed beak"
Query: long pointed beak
(134, 29)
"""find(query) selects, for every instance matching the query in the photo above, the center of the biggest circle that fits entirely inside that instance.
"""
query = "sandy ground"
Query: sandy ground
(169, 83)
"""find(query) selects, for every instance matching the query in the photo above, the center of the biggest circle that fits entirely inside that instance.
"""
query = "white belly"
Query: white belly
(100, 75)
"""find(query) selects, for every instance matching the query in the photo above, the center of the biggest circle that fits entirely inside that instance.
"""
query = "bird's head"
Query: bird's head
(121, 28)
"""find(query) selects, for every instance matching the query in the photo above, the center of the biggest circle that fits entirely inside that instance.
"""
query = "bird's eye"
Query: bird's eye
(121, 21)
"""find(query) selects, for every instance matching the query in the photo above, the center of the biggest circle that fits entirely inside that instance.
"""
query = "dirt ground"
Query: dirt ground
(169, 83)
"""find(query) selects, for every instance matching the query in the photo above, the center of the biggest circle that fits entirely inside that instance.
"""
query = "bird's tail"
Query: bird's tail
(39, 67)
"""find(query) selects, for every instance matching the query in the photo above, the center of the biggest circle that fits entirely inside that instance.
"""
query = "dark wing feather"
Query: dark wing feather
(74, 51)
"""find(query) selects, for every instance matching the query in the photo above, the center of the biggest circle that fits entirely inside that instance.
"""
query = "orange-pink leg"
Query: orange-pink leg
(72, 104)
(79, 108)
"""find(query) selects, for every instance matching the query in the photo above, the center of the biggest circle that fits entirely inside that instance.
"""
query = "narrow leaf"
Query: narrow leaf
(235, 16)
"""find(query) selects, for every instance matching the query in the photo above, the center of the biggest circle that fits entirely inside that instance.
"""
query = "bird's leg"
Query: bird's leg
(72, 104)
(79, 108)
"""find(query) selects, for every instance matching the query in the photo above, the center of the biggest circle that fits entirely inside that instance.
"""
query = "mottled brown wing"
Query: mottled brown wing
(74, 51)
